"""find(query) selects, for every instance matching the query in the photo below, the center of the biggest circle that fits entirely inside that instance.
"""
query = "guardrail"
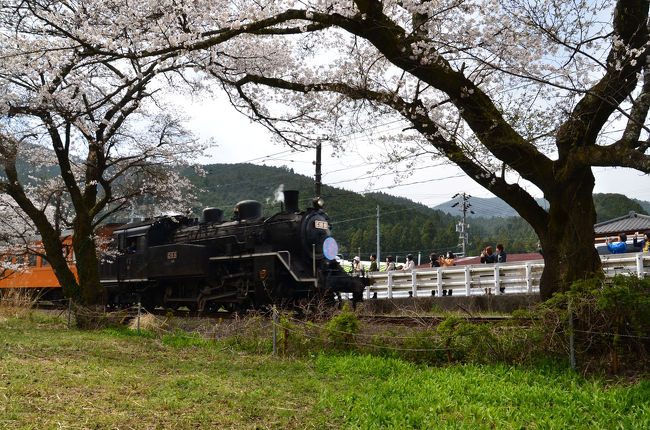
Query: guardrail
(516, 277)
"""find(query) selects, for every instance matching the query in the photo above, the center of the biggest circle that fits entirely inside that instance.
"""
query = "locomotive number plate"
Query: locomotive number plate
(172, 255)
(321, 224)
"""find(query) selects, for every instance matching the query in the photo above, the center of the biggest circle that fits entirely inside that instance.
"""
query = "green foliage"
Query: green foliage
(295, 336)
(342, 328)
(181, 339)
(611, 321)
(610, 206)
(423, 347)
(127, 332)
(94, 379)
(254, 337)
(389, 393)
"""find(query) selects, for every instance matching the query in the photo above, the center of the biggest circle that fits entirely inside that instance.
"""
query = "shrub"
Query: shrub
(342, 328)
(423, 347)
(611, 323)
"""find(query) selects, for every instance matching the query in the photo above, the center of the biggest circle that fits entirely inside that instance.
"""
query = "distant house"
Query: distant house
(628, 224)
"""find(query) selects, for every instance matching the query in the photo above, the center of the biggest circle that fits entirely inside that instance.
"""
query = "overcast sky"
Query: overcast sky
(430, 183)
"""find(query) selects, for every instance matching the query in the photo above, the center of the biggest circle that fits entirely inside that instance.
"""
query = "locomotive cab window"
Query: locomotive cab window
(31, 260)
(135, 244)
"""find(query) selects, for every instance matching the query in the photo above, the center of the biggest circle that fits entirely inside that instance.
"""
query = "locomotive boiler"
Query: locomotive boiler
(210, 264)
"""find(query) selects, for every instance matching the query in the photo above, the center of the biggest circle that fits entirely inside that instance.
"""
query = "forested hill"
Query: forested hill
(608, 206)
(406, 226)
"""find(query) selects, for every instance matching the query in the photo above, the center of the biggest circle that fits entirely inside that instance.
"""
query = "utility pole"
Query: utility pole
(462, 226)
(378, 259)
(317, 187)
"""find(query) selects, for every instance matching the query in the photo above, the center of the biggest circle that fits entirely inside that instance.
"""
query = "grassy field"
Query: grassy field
(54, 378)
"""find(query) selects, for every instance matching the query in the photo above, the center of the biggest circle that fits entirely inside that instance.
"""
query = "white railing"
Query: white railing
(517, 277)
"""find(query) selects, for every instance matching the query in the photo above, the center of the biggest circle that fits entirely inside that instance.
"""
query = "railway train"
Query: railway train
(210, 264)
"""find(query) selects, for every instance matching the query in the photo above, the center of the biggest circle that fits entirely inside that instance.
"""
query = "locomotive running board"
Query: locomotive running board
(111, 281)
(269, 254)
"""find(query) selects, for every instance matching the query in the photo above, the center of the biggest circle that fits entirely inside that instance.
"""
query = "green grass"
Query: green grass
(54, 378)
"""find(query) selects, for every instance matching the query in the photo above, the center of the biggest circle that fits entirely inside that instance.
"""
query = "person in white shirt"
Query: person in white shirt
(357, 265)
(390, 264)
(410, 264)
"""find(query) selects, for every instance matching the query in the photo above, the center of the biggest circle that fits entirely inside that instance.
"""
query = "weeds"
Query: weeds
(611, 327)
(611, 323)
(16, 303)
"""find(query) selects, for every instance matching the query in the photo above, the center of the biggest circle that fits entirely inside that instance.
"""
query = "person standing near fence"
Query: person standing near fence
(487, 255)
(644, 244)
(390, 264)
(357, 266)
(433, 260)
(619, 247)
(501, 255)
(373, 263)
(447, 260)
(410, 264)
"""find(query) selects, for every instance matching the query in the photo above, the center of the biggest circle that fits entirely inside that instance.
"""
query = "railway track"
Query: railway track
(427, 320)
(192, 314)
(398, 320)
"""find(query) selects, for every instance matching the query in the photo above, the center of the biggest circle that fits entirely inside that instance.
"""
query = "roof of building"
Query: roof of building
(462, 261)
(629, 223)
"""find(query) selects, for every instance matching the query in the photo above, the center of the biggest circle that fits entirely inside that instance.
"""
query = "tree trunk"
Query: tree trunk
(568, 239)
(54, 250)
(87, 263)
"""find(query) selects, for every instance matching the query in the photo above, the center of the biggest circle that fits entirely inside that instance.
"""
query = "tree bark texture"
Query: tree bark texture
(87, 262)
(568, 237)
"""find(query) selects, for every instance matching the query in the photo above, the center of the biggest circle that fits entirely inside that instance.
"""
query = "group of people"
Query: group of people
(357, 265)
(489, 256)
(449, 259)
(434, 261)
(620, 247)
(446, 260)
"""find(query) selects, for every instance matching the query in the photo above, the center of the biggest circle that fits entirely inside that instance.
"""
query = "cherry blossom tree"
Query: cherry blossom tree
(521, 95)
(82, 132)
(15, 231)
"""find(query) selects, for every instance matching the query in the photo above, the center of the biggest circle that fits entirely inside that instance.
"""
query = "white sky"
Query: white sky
(239, 141)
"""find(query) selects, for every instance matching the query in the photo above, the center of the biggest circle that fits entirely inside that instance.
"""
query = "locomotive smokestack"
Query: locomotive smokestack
(291, 200)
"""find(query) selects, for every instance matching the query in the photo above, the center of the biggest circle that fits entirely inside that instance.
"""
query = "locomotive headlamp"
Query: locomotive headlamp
(319, 202)
(263, 274)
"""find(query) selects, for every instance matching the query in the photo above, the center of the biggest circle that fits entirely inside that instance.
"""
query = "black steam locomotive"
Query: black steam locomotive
(207, 265)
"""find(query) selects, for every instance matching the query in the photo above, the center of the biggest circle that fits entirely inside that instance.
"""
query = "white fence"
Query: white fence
(517, 277)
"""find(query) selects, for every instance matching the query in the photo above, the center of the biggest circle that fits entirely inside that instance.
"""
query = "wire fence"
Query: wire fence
(282, 328)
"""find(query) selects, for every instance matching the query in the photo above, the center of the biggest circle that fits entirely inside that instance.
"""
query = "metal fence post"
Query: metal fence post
(275, 331)
(529, 277)
(439, 279)
(390, 285)
(414, 282)
(639, 265)
(497, 279)
(468, 281)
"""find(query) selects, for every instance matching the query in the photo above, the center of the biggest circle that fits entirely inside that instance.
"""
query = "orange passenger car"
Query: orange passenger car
(37, 275)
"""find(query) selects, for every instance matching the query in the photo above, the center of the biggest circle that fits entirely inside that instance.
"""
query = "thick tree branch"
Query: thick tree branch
(514, 195)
